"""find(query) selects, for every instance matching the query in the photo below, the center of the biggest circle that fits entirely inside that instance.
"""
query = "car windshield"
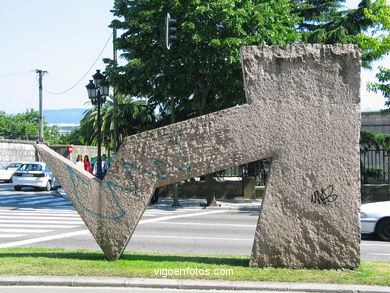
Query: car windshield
(14, 165)
(30, 167)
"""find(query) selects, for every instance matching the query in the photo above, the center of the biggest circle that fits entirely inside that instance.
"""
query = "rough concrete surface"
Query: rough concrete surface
(303, 111)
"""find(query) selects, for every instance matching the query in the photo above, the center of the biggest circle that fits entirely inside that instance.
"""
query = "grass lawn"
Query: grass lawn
(59, 262)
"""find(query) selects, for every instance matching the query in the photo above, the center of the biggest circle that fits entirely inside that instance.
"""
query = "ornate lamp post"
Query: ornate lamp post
(98, 90)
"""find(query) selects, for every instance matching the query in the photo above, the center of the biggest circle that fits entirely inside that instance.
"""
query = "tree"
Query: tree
(202, 71)
(376, 43)
(324, 21)
(383, 84)
(26, 126)
(133, 116)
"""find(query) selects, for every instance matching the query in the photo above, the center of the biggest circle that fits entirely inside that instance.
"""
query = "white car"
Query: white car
(375, 219)
(6, 173)
(35, 174)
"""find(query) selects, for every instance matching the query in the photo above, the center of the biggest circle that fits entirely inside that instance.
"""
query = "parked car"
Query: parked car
(6, 173)
(35, 174)
(2, 166)
(375, 219)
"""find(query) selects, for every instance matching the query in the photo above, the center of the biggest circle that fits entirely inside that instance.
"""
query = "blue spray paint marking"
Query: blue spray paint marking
(161, 172)
(74, 175)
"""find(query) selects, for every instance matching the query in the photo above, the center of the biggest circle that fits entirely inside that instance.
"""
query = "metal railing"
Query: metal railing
(375, 166)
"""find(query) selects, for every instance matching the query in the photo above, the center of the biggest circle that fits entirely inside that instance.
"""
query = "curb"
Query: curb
(77, 281)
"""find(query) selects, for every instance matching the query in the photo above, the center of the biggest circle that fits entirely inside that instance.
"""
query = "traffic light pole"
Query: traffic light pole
(170, 31)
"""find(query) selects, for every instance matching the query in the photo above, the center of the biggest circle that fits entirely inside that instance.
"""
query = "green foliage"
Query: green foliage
(376, 43)
(133, 116)
(26, 126)
(74, 137)
(372, 139)
(210, 34)
(371, 174)
(324, 21)
(383, 84)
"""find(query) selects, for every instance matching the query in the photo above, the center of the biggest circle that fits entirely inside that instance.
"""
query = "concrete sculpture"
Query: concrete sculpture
(303, 111)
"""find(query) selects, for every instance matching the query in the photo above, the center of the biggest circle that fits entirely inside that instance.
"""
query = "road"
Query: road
(37, 218)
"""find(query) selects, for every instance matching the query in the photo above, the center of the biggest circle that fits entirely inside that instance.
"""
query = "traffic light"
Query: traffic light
(170, 30)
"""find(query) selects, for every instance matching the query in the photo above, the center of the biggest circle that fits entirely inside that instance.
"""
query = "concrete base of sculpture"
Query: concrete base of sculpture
(303, 111)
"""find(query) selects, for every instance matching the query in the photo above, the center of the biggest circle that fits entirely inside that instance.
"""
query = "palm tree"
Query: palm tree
(133, 116)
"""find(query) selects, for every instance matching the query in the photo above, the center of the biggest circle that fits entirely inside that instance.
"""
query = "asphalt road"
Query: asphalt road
(37, 218)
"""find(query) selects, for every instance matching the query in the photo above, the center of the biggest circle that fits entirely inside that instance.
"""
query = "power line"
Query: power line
(81, 79)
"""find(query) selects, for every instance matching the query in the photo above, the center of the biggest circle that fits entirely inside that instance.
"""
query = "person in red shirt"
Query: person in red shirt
(87, 164)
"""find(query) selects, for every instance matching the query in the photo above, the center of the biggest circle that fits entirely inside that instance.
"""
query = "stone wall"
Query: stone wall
(17, 151)
(83, 150)
(375, 192)
(24, 151)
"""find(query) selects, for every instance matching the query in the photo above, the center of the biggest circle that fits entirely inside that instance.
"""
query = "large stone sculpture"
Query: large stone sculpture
(303, 111)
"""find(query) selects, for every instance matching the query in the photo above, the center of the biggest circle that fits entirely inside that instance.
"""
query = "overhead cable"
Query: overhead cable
(81, 79)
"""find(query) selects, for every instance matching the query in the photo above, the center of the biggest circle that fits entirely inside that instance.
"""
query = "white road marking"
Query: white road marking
(38, 218)
(69, 221)
(24, 230)
(180, 216)
(22, 225)
(10, 235)
(60, 203)
(207, 224)
(194, 238)
(46, 238)
(86, 232)
(385, 254)
(36, 213)
(375, 244)
(51, 199)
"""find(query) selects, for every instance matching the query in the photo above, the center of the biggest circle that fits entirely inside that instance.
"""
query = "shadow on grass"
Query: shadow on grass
(96, 256)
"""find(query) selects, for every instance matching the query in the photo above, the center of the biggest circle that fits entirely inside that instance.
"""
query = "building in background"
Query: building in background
(376, 121)
(65, 128)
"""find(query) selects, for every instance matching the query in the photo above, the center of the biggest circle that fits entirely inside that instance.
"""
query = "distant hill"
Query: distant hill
(64, 115)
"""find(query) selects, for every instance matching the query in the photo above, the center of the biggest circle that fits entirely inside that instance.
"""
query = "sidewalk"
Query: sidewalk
(198, 203)
(185, 284)
(195, 203)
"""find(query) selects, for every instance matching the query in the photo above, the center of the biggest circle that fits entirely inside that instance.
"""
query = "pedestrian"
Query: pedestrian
(154, 199)
(79, 161)
(87, 164)
(104, 166)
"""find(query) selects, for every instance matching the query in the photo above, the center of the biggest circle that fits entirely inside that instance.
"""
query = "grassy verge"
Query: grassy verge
(58, 262)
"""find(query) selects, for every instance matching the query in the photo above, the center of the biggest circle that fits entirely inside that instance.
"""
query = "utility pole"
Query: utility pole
(40, 76)
(115, 99)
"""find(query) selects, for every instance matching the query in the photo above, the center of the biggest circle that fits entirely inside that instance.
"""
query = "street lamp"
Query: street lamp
(98, 90)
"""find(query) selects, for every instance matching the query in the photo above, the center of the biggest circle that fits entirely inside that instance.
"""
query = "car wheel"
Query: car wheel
(383, 229)
(17, 188)
(48, 185)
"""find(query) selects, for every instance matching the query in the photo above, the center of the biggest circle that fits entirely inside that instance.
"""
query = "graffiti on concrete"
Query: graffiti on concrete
(159, 165)
(324, 196)
(76, 177)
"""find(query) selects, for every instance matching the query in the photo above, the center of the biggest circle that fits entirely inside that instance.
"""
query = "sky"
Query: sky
(65, 38)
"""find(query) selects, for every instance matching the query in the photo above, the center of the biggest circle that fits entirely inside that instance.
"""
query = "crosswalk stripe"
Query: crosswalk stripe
(24, 230)
(37, 218)
(60, 203)
(11, 235)
(36, 213)
(70, 221)
(42, 201)
(45, 211)
(37, 226)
